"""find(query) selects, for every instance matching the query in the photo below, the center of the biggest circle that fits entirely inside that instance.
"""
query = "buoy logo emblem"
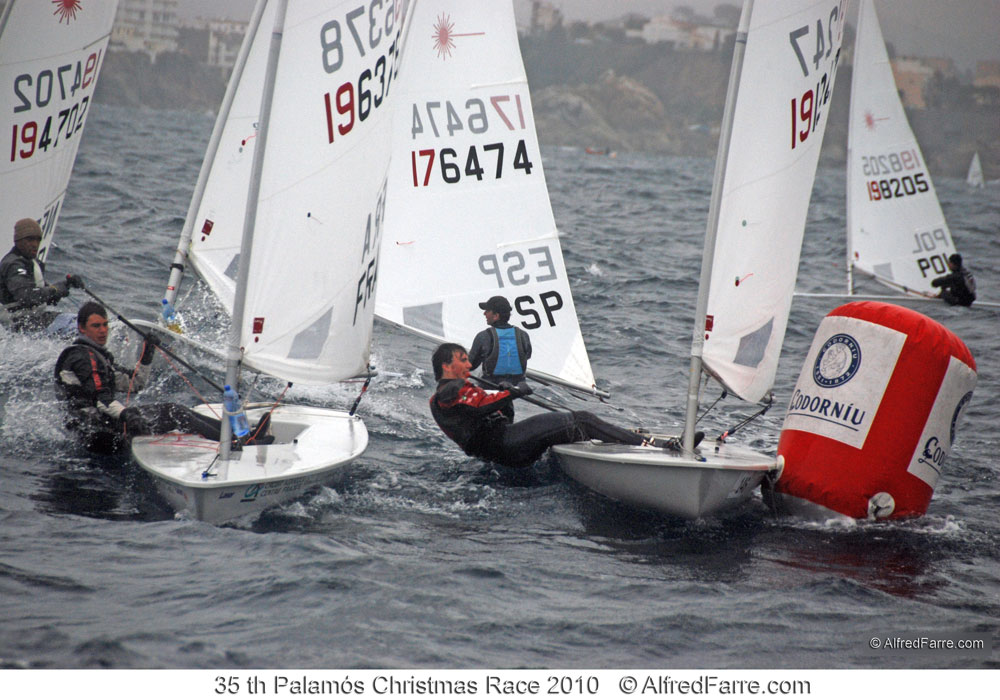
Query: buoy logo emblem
(837, 362)
(958, 413)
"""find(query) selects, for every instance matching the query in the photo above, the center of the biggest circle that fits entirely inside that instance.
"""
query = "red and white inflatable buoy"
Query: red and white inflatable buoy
(873, 415)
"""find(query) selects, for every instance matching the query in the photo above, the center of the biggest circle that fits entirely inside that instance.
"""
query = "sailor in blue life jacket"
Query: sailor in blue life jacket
(502, 349)
(958, 288)
(23, 291)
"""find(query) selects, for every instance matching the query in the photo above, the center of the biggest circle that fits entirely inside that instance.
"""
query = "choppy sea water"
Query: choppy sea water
(419, 557)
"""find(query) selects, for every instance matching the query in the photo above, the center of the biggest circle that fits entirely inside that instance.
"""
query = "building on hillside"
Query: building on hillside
(687, 32)
(986, 84)
(147, 26)
(987, 74)
(912, 76)
(214, 42)
(945, 67)
(544, 17)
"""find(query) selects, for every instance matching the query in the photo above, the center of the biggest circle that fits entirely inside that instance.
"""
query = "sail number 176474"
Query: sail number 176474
(452, 173)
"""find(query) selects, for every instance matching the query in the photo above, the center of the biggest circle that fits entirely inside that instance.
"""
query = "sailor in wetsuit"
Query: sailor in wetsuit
(24, 293)
(474, 418)
(958, 288)
(502, 349)
(88, 379)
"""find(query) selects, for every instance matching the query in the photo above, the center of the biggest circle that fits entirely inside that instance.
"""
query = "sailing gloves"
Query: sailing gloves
(518, 391)
(62, 287)
(149, 350)
(74, 281)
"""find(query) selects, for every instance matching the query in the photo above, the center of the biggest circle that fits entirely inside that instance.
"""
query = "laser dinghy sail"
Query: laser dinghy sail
(469, 215)
(783, 71)
(288, 213)
(51, 55)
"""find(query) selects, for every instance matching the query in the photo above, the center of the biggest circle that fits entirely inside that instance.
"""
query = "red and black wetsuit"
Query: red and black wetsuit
(473, 418)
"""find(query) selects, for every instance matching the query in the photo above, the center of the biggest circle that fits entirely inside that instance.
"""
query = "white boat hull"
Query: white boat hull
(310, 446)
(684, 485)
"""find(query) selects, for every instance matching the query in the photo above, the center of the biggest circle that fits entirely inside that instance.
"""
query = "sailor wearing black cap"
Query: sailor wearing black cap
(502, 349)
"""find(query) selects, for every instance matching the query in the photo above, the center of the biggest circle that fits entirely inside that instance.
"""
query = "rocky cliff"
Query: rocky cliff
(623, 97)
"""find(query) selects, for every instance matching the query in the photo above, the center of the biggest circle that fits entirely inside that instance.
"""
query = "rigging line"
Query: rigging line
(749, 419)
(708, 410)
(277, 401)
(188, 382)
(146, 336)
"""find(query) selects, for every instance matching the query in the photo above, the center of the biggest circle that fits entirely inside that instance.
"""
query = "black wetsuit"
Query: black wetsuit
(474, 419)
(21, 295)
(88, 378)
(957, 288)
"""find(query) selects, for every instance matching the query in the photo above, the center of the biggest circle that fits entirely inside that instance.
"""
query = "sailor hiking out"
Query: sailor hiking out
(958, 287)
(477, 420)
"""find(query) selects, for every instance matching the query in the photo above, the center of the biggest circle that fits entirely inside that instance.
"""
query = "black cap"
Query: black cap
(498, 305)
(955, 259)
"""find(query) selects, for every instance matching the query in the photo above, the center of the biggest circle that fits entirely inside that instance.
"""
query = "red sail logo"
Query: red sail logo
(444, 34)
(66, 9)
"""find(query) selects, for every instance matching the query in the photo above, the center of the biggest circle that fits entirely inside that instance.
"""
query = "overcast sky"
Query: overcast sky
(964, 30)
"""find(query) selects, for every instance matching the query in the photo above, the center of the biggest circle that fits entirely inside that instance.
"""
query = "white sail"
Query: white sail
(50, 58)
(469, 214)
(895, 227)
(310, 295)
(975, 176)
(792, 53)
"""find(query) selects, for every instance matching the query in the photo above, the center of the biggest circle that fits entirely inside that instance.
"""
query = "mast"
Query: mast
(721, 158)
(250, 217)
(862, 12)
(6, 14)
(180, 256)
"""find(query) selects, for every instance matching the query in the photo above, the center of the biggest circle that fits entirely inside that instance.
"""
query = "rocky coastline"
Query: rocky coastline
(631, 99)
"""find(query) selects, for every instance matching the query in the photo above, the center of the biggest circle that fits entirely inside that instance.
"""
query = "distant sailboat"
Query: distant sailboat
(896, 231)
(975, 176)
